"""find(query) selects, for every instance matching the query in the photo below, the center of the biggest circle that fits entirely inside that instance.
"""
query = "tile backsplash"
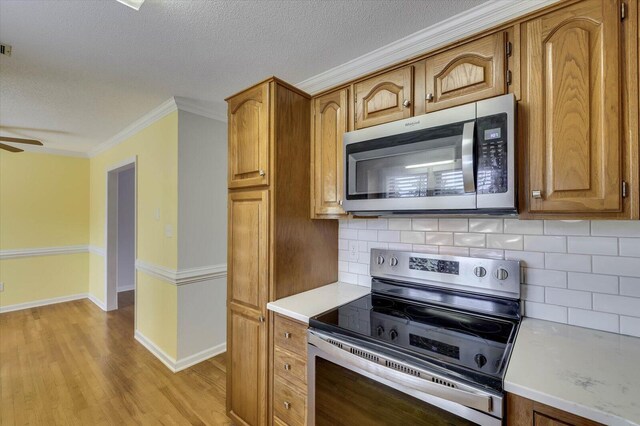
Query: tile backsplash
(584, 273)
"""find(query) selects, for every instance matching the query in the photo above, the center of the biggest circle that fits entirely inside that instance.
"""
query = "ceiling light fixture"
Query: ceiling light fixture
(133, 4)
(434, 163)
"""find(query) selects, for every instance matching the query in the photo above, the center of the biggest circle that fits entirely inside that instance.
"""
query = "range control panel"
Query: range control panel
(484, 276)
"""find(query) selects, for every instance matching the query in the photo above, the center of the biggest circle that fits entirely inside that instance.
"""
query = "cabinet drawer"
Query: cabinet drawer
(290, 368)
(291, 336)
(289, 403)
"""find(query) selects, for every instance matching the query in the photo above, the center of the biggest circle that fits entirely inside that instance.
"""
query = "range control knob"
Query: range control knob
(393, 261)
(479, 271)
(480, 360)
(393, 334)
(379, 260)
(501, 274)
(380, 331)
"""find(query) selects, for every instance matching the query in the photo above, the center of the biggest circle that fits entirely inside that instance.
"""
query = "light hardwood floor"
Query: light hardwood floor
(73, 364)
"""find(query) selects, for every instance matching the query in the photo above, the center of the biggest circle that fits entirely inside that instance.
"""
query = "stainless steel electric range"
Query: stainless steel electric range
(429, 345)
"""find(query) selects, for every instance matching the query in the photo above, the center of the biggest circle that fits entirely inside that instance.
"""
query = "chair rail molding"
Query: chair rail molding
(182, 276)
(475, 20)
(42, 251)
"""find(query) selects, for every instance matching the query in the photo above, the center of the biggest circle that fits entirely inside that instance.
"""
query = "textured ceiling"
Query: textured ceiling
(83, 70)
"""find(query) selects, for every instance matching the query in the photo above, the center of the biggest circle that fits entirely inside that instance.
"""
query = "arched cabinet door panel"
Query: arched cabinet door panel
(467, 73)
(329, 125)
(249, 138)
(384, 98)
(571, 76)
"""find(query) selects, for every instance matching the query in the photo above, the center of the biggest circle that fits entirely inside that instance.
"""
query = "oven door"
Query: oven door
(418, 164)
(350, 385)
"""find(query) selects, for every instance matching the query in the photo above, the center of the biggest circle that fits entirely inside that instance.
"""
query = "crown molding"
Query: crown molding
(467, 23)
(189, 105)
(151, 117)
(42, 251)
(182, 276)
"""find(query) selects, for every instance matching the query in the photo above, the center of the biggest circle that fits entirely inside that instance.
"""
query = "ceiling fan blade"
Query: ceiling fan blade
(10, 148)
(20, 140)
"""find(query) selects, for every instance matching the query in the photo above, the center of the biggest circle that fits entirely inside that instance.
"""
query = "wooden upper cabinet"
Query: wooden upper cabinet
(473, 71)
(249, 137)
(572, 109)
(384, 98)
(329, 124)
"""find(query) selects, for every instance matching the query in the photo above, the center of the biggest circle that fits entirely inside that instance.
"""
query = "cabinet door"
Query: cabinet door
(467, 73)
(329, 124)
(384, 98)
(247, 289)
(249, 138)
(571, 78)
(247, 368)
(248, 240)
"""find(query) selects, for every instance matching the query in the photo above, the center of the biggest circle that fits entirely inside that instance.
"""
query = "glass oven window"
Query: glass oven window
(343, 397)
(424, 163)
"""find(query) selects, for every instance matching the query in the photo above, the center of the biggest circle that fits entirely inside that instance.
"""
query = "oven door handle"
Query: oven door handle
(468, 178)
(346, 352)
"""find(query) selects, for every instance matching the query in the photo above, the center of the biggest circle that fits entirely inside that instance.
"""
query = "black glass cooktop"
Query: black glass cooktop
(450, 337)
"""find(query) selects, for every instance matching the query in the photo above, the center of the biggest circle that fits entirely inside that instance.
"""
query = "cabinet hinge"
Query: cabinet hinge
(508, 48)
(623, 11)
(508, 77)
(624, 189)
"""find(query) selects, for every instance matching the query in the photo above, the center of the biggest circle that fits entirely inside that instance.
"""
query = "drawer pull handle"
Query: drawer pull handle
(406, 103)
(287, 366)
(536, 194)
(287, 405)
(429, 97)
(261, 172)
(261, 318)
(287, 335)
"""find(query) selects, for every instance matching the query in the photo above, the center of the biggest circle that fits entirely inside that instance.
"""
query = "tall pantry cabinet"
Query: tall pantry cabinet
(274, 248)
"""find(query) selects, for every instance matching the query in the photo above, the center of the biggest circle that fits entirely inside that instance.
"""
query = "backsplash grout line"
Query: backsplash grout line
(566, 260)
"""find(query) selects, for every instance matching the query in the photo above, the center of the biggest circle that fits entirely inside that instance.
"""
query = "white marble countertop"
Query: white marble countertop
(303, 306)
(590, 373)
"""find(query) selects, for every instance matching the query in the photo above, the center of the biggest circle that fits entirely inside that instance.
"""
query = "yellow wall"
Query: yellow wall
(44, 202)
(31, 279)
(48, 201)
(157, 312)
(156, 150)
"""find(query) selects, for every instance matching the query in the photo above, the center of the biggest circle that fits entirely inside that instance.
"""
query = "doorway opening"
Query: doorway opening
(121, 226)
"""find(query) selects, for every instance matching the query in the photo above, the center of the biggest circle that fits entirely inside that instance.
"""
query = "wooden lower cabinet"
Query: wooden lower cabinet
(247, 377)
(289, 372)
(525, 412)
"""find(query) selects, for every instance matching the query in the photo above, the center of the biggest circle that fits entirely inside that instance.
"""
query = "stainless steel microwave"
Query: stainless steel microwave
(460, 160)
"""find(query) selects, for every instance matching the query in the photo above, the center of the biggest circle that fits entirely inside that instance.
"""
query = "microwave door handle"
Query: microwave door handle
(467, 157)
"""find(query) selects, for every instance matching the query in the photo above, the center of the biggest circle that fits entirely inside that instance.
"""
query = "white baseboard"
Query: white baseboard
(99, 303)
(165, 358)
(42, 302)
(194, 359)
(126, 288)
(182, 364)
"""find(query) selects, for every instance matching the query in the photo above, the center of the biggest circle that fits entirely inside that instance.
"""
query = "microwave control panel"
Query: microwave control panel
(492, 154)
